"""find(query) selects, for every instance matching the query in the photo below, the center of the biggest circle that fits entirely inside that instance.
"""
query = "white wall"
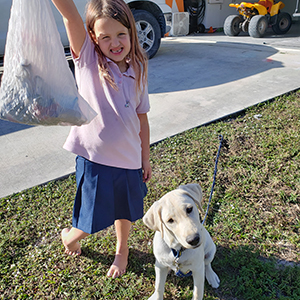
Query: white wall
(215, 14)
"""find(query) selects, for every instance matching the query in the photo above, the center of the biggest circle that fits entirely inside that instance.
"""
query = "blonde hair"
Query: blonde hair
(119, 11)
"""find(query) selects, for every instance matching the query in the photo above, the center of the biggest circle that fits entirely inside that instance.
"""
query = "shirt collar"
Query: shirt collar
(129, 72)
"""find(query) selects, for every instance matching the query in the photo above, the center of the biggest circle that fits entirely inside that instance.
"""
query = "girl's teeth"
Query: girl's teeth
(117, 51)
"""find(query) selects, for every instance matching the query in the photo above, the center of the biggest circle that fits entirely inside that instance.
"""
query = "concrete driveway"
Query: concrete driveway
(196, 79)
(193, 80)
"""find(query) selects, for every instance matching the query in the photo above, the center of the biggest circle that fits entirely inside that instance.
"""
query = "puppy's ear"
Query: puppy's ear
(152, 218)
(194, 191)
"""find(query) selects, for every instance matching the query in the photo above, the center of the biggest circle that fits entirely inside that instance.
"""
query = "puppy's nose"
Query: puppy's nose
(193, 240)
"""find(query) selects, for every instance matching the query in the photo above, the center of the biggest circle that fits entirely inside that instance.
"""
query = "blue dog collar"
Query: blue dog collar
(182, 275)
(179, 273)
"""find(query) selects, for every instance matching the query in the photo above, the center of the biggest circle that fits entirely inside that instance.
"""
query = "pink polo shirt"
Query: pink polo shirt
(112, 137)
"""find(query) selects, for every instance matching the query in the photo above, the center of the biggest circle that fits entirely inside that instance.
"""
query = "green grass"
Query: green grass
(254, 218)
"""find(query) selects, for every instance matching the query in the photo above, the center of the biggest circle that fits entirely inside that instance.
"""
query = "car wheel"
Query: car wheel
(148, 31)
(232, 25)
(258, 26)
(283, 24)
(201, 28)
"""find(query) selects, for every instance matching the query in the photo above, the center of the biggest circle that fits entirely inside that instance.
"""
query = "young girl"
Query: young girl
(112, 165)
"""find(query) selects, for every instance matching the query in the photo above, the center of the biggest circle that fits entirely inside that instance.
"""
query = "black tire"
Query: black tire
(148, 31)
(201, 28)
(258, 26)
(232, 25)
(283, 24)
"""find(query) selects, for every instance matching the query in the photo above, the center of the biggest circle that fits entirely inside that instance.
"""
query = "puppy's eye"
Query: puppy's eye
(170, 221)
(189, 210)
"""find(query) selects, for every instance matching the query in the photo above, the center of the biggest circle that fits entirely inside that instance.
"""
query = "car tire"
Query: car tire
(148, 31)
(201, 28)
(258, 26)
(232, 25)
(283, 24)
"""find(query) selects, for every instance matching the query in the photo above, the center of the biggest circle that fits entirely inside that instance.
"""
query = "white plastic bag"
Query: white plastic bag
(38, 87)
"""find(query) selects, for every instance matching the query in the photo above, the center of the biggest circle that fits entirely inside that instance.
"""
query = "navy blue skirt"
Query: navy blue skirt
(105, 194)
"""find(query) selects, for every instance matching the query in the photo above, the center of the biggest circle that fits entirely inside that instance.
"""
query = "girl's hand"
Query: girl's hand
(147, 171)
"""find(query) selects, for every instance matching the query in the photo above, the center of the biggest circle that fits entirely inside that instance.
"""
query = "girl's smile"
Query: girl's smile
(114, 40)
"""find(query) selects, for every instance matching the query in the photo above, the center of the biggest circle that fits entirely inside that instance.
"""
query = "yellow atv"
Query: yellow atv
(255, 18)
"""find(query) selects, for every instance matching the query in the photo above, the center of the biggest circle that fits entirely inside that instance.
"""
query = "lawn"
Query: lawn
(254, 218)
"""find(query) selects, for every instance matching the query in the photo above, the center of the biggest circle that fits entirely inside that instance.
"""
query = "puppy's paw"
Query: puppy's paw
(155, 296)
(212, 279)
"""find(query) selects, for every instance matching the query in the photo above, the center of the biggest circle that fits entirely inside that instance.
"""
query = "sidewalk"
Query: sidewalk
(193, 80)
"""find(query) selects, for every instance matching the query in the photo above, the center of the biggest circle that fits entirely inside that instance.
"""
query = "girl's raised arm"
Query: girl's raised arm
(73, 23)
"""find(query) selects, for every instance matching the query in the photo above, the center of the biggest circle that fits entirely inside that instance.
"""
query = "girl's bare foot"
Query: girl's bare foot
(118, 267)
(73, 250)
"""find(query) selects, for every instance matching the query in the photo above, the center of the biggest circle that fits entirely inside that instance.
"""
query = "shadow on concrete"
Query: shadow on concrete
(214, 63)
(7, 127)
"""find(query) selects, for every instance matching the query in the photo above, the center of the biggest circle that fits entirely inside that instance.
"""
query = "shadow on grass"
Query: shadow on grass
(245, 274)
(137, 260)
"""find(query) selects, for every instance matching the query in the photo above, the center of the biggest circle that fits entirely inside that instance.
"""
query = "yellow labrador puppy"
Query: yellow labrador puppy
(181, 242)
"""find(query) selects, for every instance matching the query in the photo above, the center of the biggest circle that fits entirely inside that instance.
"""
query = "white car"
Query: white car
(151, 22)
